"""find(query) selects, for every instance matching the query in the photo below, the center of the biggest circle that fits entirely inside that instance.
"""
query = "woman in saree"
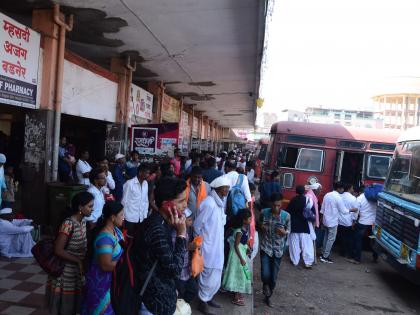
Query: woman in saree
(105, 253)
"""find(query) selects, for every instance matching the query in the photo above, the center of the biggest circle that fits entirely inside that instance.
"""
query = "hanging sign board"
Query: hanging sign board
(19, 62)
(170, 109)
(141, 103)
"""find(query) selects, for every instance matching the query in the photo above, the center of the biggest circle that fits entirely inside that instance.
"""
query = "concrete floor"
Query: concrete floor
(340, 288)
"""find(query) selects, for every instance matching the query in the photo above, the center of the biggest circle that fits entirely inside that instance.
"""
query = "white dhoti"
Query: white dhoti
(209, 283)
(301, 243)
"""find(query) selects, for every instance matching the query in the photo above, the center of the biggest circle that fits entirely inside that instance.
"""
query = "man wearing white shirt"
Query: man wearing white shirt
(331, 207)
(136, 199)
(346, 222)
(367, 217)
(233, 176)
(98, 180)
(83, 169)
(103, 163)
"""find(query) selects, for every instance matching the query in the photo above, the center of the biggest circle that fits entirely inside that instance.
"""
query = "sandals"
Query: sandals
(238, 300)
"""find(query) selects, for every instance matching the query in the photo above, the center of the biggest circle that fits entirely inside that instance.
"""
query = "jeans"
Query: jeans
(346, 237)
(329, 239)
(269, 270)
(358, 241)
(187, 290)
(320, 233)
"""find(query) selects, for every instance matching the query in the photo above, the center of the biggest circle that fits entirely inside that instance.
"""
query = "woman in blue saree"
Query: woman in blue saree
(106, 251)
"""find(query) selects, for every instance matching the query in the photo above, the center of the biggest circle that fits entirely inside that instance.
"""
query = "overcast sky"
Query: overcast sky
(333, 52)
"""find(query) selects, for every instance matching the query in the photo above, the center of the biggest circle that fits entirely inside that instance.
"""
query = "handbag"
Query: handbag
(308, 212)
(197, 260)
(45, 256)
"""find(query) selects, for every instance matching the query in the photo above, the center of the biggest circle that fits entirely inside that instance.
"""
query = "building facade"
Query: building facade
(349, 118)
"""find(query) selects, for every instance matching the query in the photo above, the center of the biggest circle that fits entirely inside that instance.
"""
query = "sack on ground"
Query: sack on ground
(182, 308)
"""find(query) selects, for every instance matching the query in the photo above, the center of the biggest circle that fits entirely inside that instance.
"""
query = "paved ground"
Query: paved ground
(22, 287)
(340, 288)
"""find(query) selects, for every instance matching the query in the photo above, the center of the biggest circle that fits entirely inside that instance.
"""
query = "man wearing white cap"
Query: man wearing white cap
(15, 235)
(209, 223)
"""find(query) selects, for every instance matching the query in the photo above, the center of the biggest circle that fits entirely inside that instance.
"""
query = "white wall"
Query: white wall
(87, 94)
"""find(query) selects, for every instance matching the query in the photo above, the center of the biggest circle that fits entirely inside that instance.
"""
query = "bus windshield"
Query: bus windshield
(404, 176)
(378, 166)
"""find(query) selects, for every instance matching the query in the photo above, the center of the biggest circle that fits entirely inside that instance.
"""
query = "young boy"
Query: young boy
(186, 285)
(274, 226)
(270, 185)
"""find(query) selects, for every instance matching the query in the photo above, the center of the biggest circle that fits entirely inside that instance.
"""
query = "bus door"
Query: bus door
(349, 167)
(338, 166)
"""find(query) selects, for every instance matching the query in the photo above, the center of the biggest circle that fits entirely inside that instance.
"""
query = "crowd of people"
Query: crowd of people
(158, 210)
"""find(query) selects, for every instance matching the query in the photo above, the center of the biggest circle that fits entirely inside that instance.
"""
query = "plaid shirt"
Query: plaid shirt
(271, 242)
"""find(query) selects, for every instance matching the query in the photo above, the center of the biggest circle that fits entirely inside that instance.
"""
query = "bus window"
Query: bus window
(302, 159)
(351, 144)
(382, 146)
(310, 160)
(404, 177)
(286, 180)
(287, 157)
(378, 166)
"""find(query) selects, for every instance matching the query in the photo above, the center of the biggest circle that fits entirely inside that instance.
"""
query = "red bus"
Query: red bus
(326, 153)
(260, 155)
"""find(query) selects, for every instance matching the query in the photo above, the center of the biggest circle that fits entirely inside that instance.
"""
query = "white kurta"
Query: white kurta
(15, 238)
(83, 167)
(210, 224)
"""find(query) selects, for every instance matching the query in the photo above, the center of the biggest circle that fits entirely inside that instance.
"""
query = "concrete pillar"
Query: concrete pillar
(117, 134)
(39, 125)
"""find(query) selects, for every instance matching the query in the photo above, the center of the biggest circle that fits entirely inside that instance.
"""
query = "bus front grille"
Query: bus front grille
(399, 225)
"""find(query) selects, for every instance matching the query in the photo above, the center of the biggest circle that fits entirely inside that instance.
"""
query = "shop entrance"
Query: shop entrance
(12, 134)
(349, 168)
(84, 134)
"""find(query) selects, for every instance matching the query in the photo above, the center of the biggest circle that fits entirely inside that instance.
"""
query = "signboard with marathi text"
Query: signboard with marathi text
(170, 109)
(19, 58)
(144, 140)
(154, 139)
(141, 103)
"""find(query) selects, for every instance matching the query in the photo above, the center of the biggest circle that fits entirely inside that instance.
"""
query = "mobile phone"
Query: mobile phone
(167, 207)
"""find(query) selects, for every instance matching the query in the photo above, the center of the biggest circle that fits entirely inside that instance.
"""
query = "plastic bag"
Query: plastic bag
(197, 261)
(182, 308)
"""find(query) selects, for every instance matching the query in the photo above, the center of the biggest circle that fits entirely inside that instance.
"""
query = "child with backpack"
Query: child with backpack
(274, 226)
(237, 276)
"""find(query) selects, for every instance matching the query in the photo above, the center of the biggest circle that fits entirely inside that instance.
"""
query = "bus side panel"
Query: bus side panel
(325, 177)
